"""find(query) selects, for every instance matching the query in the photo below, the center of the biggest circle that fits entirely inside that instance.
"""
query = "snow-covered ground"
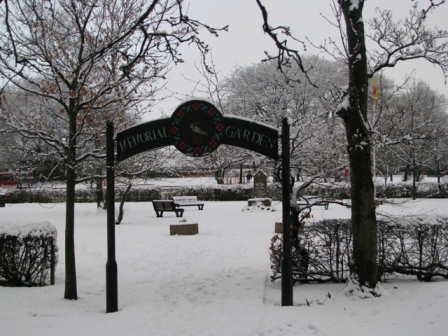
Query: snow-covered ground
(213, 283)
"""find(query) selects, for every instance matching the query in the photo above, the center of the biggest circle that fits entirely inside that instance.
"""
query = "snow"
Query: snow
(213, 283)
(354, 5)
(27, 229)
(345, 104)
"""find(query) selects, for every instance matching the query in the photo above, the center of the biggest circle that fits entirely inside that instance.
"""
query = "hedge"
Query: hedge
(412, 246)
(234, 192)
(28, 254)
(136, 194)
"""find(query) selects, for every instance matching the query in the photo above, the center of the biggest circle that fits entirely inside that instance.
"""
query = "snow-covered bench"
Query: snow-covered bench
(160, 206)
(187, 201)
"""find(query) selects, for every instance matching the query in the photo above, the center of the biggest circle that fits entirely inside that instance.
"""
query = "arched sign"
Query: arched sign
(197, 128)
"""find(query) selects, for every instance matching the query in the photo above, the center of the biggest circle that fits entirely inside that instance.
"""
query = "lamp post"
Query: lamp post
(287, 284)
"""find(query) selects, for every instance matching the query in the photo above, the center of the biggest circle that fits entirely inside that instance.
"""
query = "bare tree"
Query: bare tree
(413, 117)
(397, 41)
(438, 150)
(9, 143)
(260, 92)
(81, 57)
(386, 163)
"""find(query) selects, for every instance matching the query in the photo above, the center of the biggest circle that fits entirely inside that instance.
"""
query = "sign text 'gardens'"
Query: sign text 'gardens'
(251, 135)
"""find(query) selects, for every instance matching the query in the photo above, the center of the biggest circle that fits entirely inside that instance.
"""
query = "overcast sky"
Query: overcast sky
(245, 43)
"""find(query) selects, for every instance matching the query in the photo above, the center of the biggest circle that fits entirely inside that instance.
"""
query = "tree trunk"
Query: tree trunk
(220, 175)
(99, 189)
(121, 208)
(414, 179)
(363, 214)
(71, 292)
(406, 173)
(359, 149)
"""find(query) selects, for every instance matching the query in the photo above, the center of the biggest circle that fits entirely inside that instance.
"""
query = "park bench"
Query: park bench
(160, 206)
(187, 201)
(313, 201)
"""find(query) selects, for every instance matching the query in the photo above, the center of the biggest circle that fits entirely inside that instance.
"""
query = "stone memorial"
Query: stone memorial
(184, 229)
(260, 184)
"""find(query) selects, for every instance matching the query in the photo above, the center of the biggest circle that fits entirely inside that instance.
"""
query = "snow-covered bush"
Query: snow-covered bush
(411, 245)
(324, 253)
(300, 260)
(231, 192)
(28, 253)
(404, 190)
(414, 246)
(35, 196)
(136, 194)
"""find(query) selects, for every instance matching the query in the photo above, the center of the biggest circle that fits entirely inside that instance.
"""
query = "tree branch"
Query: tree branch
(285, 54)
(407, 40)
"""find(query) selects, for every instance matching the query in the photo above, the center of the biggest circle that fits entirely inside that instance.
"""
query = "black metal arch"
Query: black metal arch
(239, 132)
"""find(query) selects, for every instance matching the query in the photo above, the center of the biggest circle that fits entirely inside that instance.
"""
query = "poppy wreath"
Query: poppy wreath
(197, 128)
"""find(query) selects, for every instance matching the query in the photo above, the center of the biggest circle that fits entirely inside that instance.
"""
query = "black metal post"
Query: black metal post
(111, 266)
(53, 261)
(287, 284)
(241, 173)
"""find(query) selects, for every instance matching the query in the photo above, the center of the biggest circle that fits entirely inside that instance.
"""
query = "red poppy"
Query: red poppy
(174, 129)
(182, 145)
(180, 114)
(196, 106)
(219, 127)
(211, 112)
(213, 143)
(197, 151)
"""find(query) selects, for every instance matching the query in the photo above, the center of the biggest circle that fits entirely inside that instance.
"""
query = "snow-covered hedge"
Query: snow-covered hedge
(395, 190)
(214, 193)
(404, 190)
(35, 196)
(136, 194)
(412, 246)
(28, 254)
(233, 192)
